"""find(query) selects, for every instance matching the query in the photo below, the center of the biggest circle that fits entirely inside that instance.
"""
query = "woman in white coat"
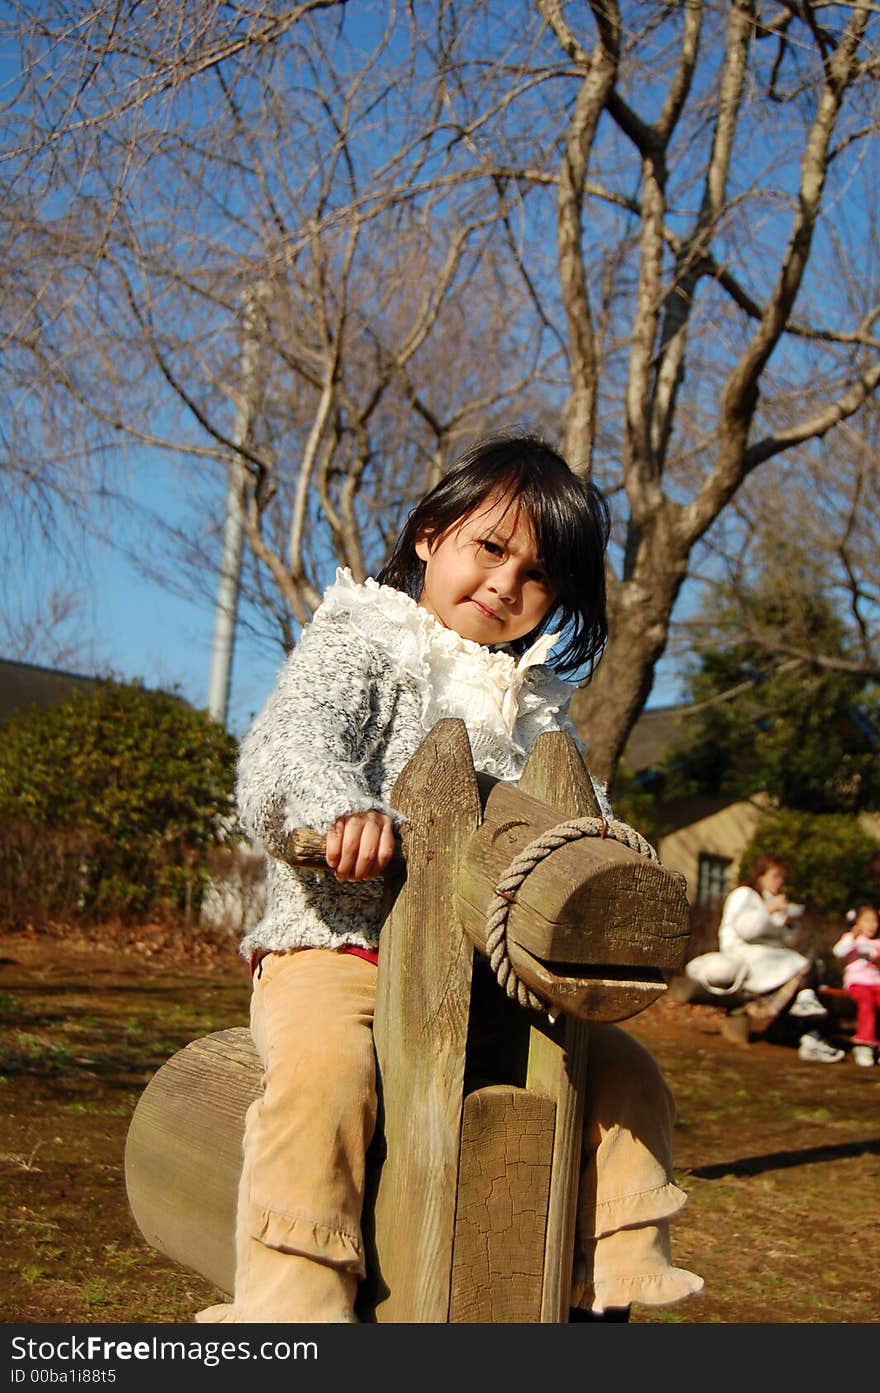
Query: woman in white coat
(758, 929)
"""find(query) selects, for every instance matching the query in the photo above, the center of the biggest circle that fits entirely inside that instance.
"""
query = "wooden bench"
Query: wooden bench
(748, 1019)
(474, 1174)
(841, 1006)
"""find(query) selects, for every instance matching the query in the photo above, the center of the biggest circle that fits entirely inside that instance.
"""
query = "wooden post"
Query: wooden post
(556, 775)
(501, 1215)
(420, 1030)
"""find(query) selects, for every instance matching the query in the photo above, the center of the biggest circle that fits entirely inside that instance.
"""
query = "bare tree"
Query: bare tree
(763, 116)
(311, 176)
(388, 180)
(46, 630)
(826, 523)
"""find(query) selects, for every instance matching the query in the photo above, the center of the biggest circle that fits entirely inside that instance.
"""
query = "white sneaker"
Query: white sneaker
(807, 1005)
(864, 1055)
(814, 1048)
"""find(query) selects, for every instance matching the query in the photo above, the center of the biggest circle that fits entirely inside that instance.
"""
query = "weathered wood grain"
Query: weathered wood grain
(183, 1152)
(555, 774)
(503, 1192)
(587, 998)
(557, 1068)
(593, 901)
(558, 1058)
(421, 1033)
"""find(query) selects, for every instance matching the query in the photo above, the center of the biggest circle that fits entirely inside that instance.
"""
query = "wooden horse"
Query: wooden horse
(474, 1173)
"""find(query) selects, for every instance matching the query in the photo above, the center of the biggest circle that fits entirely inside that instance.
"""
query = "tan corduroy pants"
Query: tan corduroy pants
(299, 1248)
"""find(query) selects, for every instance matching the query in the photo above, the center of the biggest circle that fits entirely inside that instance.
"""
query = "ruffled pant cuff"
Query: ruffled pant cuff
(643, 1288)
(645, 1206)
(292, 1233)
(631, 1265)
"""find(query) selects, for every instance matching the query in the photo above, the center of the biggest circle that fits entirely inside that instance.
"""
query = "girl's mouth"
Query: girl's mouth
(489, 613)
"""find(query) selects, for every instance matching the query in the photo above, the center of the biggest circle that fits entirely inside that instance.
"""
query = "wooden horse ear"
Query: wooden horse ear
(555, 774)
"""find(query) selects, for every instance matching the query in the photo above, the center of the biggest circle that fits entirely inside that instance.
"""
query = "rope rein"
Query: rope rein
(511, 880)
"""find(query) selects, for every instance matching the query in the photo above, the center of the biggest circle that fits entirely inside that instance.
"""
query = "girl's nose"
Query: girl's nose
(504, 583)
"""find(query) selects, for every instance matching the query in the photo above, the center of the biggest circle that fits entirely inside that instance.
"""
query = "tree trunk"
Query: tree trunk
(605, 711)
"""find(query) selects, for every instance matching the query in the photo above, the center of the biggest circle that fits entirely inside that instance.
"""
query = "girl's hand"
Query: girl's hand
(360, 845)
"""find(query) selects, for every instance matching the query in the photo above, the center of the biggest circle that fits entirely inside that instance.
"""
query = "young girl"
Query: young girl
(499, 565)
(859, 947)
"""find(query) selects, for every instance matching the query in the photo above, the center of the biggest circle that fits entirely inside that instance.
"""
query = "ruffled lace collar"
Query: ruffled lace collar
(490, 689)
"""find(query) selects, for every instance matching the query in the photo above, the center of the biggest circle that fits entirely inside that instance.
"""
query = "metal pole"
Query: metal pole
(226, 611)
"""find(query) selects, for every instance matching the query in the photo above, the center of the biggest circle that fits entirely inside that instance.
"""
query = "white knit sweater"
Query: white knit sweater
(369, 677)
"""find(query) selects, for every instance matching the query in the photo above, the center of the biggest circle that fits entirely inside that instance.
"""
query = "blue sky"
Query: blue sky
(144, 631)
(126, 623)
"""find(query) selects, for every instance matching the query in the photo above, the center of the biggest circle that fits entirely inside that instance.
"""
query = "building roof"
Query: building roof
(652, 738)
(25, 684)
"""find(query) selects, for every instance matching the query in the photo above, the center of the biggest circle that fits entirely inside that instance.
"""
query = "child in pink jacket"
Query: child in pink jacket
(859, 948)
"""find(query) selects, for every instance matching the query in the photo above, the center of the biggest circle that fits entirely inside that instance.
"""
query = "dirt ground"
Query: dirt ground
(780, 1157)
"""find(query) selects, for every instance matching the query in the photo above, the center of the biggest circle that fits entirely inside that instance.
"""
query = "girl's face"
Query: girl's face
(772, 880)
(484, 578)
(867, 923)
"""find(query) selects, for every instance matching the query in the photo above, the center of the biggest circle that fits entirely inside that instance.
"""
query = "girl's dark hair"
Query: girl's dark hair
(571, 525)
(764, 863)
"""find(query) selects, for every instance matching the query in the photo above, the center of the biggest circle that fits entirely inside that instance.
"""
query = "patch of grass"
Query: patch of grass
(35, 1226)
(90, 1024)
(820, 1116)
(36, 1051)
(122, 1259)
(97, 1292)
(776, 1099)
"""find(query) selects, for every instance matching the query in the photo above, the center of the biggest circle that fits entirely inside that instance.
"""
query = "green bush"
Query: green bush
(110, 802)
(835, 863)
(635, 805)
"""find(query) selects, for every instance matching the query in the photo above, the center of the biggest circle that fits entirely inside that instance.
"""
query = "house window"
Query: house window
(711, 880)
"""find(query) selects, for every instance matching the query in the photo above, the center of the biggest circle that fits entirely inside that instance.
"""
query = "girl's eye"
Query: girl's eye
(491, 547)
